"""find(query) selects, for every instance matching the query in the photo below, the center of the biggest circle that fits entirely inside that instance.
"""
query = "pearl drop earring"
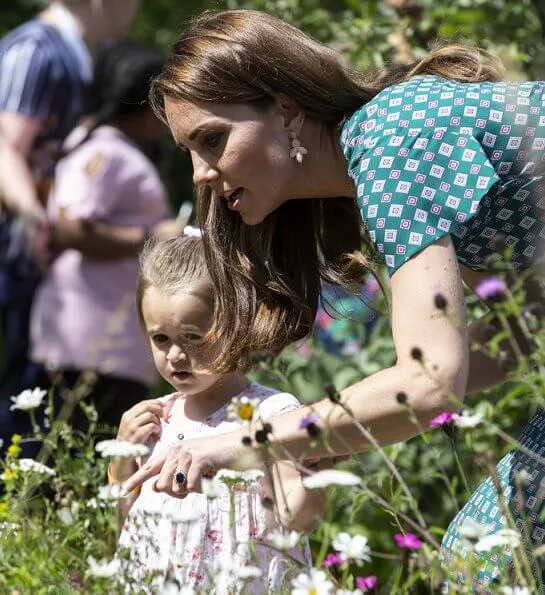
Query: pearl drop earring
(297, 150)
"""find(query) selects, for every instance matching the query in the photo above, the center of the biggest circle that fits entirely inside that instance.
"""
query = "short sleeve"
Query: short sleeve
(413, 190)
(31, 80)
(276, 404)
(87, 183)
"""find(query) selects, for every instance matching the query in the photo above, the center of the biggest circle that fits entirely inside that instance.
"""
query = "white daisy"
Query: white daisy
(28, 399)
(243, 409)
(504, 537)
(330, 477)
(467, 420)
(211, 488)
(353, 548)
(110, 493)
(121, 448)
(231, 477)
(315, 582)
(68, 516)
(283, 541)
(30, 465)
(103, 569)
(471, 529)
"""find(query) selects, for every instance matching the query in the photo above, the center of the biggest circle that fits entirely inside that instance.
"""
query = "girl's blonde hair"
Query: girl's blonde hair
(267, 277)
(170, 265)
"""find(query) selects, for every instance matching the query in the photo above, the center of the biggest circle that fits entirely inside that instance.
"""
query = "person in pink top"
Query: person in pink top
(106, 200)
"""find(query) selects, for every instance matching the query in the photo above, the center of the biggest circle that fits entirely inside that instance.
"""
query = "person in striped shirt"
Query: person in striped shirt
(45, 65)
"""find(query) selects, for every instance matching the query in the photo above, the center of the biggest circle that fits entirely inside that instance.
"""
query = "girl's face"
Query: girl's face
(173, 324)
(241, 152)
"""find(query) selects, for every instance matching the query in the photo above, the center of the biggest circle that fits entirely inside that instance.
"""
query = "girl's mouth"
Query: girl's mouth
(182, 375)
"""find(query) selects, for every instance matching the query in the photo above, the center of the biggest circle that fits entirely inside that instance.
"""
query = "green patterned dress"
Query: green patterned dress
(431, 158)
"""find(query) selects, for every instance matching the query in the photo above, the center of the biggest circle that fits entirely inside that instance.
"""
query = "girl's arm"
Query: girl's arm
(298, 508)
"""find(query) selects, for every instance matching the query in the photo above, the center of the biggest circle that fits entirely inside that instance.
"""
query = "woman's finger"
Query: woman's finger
(166, 476)
(151, 468)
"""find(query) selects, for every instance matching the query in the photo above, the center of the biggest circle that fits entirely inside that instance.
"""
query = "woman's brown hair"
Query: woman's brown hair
(268, 277)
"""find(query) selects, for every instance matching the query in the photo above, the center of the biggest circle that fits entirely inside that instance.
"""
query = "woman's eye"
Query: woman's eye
(213, 139)
(159, 339)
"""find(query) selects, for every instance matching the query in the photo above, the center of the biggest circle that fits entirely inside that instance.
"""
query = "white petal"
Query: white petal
(329, 477)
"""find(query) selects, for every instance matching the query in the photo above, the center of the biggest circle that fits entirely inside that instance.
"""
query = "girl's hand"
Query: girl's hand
(137, 425)
(198, 458)
(142, 421)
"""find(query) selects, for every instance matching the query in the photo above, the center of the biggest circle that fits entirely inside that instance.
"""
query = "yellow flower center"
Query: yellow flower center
(313, 591)
(246, 411)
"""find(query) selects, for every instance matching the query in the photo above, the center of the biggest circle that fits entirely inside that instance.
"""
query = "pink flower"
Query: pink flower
(408, 541)
(305, 350)
(365, 583)
(491, 289)
(443, 418)
(332, 560)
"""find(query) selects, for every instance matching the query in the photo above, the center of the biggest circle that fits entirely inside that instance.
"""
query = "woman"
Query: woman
(106, 200)
(288, 149)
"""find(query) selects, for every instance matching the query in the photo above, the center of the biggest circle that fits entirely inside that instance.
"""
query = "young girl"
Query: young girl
(198, 537)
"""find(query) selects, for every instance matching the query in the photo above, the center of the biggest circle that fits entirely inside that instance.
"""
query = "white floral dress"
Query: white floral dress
(193, 540)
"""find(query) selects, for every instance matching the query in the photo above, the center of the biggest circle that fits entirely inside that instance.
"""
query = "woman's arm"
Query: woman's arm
(298, 508)
(101, 241)
(434, 383)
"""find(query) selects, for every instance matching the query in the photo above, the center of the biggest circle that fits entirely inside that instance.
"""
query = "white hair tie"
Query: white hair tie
(193, 232)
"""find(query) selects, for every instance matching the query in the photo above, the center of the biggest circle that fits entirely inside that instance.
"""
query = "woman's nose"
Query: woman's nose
(203, 172)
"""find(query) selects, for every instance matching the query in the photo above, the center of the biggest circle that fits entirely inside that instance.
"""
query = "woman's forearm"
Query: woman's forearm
(374, 403)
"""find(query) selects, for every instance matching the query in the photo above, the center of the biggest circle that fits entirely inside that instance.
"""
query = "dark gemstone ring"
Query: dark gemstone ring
(180, 478)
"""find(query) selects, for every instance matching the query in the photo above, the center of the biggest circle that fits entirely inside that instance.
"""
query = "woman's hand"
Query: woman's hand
(196, 459)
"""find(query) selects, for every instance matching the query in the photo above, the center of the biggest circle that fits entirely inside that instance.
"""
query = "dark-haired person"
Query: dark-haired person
(45, 65)
(106, 200)
(289, 150)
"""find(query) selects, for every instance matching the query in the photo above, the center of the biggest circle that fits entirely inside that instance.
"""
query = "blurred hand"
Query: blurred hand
(39, 238)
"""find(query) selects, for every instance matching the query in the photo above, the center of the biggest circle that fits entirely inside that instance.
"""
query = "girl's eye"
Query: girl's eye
(159, 339)
(193, 337)
(213, 139)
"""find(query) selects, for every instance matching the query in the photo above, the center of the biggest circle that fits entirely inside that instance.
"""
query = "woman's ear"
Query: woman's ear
(292, 115)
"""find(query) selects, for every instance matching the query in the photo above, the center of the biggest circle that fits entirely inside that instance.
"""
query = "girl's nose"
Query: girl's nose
(176, 354)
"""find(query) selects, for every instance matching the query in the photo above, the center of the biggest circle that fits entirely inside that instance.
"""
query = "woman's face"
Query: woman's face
(241, 152)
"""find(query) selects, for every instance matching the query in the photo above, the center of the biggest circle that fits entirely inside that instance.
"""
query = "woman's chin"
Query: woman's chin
(252, 219)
